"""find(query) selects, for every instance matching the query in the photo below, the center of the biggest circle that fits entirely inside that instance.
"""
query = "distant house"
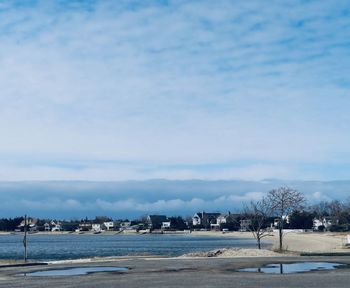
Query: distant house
(245, 225)
(155, 221)
(31, 224)
(109, 225)
(215, 226)
(222, 219)
(276, 221)
(125, 224)
(206, 220)
(85, 226)
(325, 222)
(229, 221)
(47, 227)
(56, 226)
(176, 223)
(227, 218)
(166, 225)
(96, 227)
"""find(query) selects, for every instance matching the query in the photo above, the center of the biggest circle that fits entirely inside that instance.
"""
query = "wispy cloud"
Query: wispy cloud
(110, 90)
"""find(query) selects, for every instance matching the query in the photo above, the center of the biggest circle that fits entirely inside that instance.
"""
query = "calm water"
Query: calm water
(288, 268)
(61, 247)
(75, 271)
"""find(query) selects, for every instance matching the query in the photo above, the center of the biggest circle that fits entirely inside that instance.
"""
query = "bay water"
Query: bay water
(70, 246)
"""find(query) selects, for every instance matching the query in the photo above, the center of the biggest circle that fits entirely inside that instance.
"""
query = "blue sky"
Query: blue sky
(120, 90)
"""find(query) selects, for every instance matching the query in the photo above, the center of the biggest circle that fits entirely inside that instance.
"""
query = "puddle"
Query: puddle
(74, 271)
(288, 268)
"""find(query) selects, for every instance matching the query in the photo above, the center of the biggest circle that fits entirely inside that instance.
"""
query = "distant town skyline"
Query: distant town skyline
(123, 90)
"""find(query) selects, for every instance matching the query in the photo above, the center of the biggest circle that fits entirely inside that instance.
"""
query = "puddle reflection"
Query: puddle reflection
(75, 271)
(287, 268)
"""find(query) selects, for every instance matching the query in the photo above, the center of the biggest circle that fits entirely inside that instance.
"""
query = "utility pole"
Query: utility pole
(25, 238)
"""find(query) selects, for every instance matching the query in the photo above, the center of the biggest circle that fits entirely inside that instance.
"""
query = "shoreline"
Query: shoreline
(295, 243)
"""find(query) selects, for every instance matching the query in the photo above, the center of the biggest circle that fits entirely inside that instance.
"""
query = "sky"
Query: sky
(120, 90)
(134, 199)
(177, 90)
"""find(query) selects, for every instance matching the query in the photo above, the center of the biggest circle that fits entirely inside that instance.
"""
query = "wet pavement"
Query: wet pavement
(204, 272)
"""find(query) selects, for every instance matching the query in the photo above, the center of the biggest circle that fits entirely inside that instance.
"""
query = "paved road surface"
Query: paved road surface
(208, 272)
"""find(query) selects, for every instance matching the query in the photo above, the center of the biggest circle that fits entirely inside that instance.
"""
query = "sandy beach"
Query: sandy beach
(305, 242)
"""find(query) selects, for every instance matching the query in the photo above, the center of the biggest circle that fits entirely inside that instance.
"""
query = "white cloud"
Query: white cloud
(67, 199)
(51, 204)
(194, 83)
(318, 197)
(170, 206)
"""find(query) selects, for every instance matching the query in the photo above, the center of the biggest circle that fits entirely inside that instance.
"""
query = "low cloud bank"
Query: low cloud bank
(136, 198)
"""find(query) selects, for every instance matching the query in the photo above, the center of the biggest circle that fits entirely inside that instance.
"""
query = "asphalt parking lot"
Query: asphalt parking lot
(203, 272)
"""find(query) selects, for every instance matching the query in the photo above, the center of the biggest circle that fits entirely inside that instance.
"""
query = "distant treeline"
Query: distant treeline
(335, 214)
(10, 224)
(331, 216)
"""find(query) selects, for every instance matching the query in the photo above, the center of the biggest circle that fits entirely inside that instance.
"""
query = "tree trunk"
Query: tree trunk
(259, 244)
(280, 234)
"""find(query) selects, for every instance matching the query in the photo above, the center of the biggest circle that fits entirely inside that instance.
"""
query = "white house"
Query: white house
(109, 225)
(166, 225)
(276, 221)
(196, 219)
(205, 219)
(55, 226)
(222, 219)
(96, 228)
(226, 218)
(47, 227)
(31, 224)
(325, 221)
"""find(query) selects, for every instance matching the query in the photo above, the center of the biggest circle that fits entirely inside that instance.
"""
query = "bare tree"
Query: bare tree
(258, 213)
(336, 209)
(284, 201)
(320, 209)
(347, 205)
